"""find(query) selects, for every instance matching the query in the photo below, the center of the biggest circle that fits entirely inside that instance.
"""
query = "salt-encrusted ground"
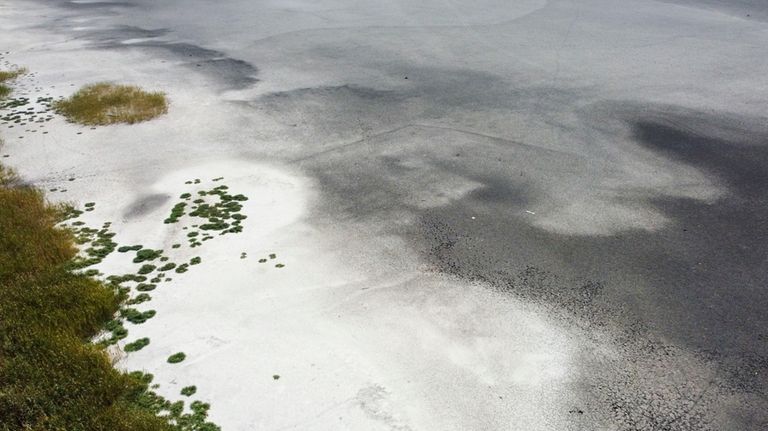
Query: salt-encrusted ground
(539, 215)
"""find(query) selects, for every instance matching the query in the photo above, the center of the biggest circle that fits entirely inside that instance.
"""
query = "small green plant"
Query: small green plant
(105, 103)
(167, 267)
(137, 317)
(137, 345)
(127, 248)
(146, 269)
(188, 391)
(138, 299)
(184, 267)
(195, 260)
(176, 212)
(146, 254)
(176, 358)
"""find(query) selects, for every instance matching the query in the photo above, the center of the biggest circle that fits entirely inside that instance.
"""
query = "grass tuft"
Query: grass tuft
(176, 358)
(137, 345)
(105, 103)
(8, 75)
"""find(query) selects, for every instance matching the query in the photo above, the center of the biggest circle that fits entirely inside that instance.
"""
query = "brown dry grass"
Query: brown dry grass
(7, 75)
(105, 103)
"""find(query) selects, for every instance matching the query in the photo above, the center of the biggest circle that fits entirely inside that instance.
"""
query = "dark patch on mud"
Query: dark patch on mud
(145, 205)
(120, 34)
(700, 283)
(232, 73)
(79, 5)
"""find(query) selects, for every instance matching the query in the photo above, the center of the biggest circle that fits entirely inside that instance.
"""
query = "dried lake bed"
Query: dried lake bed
(540, 215)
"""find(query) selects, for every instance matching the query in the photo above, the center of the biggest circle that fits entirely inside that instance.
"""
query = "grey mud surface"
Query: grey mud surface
(607, 160)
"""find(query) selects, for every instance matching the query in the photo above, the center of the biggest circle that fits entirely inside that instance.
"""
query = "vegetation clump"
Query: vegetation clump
(135, 316)
(137, 345)
(176, 212)
(145, 287)
(188, 391)
(146, 254)
(167, 267)
(219, 210)
(51, 378)
(8, 75)
(176, 358)
(127, 248)
(138, 299)
(146, 269)
(106, 103)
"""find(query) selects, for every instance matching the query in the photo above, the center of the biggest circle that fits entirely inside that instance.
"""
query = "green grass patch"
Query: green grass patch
(176, 358)
(146, 269)
(137, 345)
(135, 316)
(51, 377)
(188, 391)
(167, 267)
(105, 103)
(146, 254)
(145, 287)
(138, 299)
(127, 248)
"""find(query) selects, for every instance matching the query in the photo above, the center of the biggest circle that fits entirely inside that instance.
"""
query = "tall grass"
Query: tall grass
(51, 376)
(8, 75)
(105, 103)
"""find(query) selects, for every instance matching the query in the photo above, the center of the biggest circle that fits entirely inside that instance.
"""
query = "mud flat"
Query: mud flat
(490, 216)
